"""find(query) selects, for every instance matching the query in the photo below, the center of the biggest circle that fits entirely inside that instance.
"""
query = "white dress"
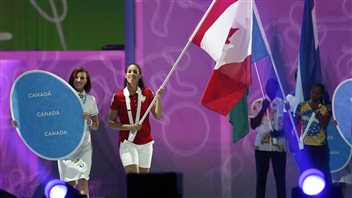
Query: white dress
(84, 152)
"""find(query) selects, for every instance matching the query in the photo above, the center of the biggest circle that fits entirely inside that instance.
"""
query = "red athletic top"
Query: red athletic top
(119, 103)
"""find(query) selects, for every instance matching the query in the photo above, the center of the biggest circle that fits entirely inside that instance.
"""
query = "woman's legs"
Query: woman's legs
(83, 187)
(145, 154)
(143, 170)
(129, 157)
(72, 183)
(133, 168)
(82, 184)
(136, 158)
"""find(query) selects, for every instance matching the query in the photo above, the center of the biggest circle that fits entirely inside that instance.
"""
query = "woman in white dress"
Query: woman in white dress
(75, 170)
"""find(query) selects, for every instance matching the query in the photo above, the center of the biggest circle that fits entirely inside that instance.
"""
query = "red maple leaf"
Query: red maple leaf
(231, 32)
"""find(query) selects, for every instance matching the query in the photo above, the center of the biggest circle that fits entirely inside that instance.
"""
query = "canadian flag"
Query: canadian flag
(225, 34)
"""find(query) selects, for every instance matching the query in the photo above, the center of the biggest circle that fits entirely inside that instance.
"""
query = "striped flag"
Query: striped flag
(239, 114)
(225, 35)
(232, 36)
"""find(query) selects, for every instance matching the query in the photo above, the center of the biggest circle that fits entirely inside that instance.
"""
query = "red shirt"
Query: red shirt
(119, 103)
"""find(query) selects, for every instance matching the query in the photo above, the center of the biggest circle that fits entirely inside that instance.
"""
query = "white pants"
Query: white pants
(140, 155)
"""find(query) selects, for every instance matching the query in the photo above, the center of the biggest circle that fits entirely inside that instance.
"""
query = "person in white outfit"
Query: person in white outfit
(75, 170)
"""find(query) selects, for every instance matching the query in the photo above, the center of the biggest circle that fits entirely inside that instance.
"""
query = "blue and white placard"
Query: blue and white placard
(342, 109)
(49, 114)
(340, 151)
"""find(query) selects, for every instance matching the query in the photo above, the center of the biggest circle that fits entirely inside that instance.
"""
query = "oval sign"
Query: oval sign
(342, 109)
(340, 151)
(49, 114)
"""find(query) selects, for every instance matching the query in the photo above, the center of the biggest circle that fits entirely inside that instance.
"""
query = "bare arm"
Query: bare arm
(157, 108)
(119, 126)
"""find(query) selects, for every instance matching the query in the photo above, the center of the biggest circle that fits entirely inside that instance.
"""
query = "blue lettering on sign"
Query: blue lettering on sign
(48, 113)
(40, 94)
(55, 133)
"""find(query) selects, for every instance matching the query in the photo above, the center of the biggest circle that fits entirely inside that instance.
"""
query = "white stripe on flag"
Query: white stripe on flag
(214, 39)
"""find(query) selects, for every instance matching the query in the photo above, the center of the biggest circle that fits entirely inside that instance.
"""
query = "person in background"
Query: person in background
(266, 117)
(314, 116)
(127, 108)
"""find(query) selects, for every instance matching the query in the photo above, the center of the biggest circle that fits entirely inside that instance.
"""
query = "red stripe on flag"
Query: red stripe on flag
(219, 7)
(226, 86)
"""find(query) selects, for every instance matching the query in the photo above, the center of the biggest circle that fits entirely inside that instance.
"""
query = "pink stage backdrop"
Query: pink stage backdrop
(197, 142)
(190, 139)
(23, 173)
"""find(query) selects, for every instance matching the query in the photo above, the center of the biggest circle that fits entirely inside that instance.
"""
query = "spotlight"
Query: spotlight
(56, 189)
(59, 189)
(312, 182)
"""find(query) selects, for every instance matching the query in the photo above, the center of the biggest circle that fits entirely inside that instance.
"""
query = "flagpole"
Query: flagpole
(178, 60)
(260, 82)
(274, 66)
(262, 90)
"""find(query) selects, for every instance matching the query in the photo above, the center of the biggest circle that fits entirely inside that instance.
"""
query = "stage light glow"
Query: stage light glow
(312, 182)
(56, 189)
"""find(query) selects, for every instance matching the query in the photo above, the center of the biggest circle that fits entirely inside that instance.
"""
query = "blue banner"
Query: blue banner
(342, 109)
(340, 151)
(49, 114)
(309, 68)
